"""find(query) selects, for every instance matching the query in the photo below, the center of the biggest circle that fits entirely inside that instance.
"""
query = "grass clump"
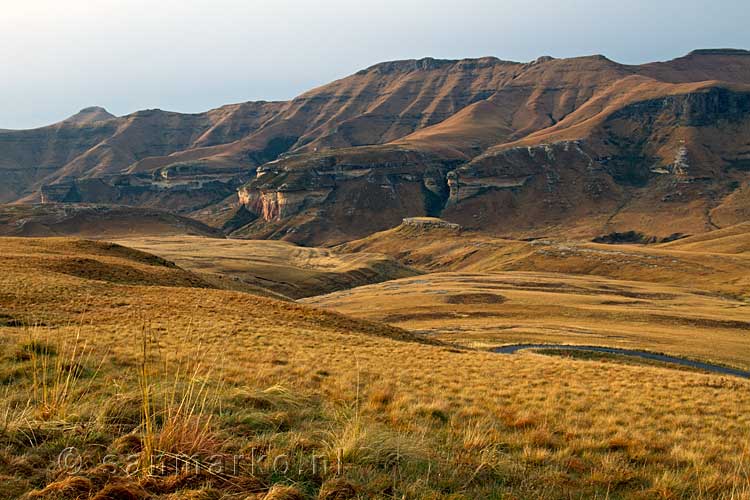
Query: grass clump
(34, 348)
(280, 492)
(357, 444)
(72, 488)
(177, 403)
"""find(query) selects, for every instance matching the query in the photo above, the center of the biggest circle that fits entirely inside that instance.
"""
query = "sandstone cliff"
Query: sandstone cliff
(577, 147)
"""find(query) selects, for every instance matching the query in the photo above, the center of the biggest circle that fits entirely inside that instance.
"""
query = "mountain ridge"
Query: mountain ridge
(416, 62)
(401, 127)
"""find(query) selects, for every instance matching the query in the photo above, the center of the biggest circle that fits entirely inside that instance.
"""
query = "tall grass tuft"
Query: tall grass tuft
(179, 395)
(60, 371)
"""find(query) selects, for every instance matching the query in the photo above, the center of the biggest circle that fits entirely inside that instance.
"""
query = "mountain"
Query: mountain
(90, 115)
(576, 147)
(566, 147)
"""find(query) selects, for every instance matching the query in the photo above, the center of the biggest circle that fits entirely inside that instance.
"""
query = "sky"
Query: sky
(59, 56)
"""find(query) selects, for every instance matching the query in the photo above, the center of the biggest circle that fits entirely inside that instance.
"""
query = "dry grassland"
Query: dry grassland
(491, 309)
(278, 266)
(116, 353)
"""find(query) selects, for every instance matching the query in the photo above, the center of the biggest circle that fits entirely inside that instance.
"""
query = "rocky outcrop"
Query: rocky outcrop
(95, 221)
(464, 187)
(514, 168)
(692, 109)
(429, 223)
(302, 185)
(181, 193)
(277, 205)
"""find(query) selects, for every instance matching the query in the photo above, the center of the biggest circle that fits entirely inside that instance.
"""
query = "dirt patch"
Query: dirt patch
(475, 298)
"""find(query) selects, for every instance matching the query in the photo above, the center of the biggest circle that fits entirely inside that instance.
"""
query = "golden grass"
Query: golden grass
(724, 268)
(278, 266)
(730, 240)
(414, 419)
(490, 309)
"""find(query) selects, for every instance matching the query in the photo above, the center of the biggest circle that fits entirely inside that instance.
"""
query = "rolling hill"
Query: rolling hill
(135, 365)
(95, 221)
(730, 240)
(715, 265)
(284, 268)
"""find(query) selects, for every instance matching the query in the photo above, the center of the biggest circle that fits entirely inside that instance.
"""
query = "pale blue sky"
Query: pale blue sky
(57, 56)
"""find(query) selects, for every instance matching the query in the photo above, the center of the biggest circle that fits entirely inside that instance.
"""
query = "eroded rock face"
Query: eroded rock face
(515, 167)
(287, 187)
(180, 191)
(278, 205)
(643, 155)
(694, 109)
(464, 187)
(411, 186)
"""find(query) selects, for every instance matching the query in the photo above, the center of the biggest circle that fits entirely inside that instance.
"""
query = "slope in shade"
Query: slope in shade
(96, 221)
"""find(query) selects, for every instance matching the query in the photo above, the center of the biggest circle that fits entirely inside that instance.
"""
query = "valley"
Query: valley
(436, 279)
(281, 267)
(488, 310)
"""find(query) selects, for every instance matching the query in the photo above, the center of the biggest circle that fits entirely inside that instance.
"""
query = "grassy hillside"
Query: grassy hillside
(96, 221)
(279, 266)
(730, 240)
(136, 362)
(708, 268)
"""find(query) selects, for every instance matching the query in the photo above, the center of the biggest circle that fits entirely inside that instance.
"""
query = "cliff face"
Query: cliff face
(323, 197)
(614, 150)
(577, 146)
(277, 205)
(657, 166)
